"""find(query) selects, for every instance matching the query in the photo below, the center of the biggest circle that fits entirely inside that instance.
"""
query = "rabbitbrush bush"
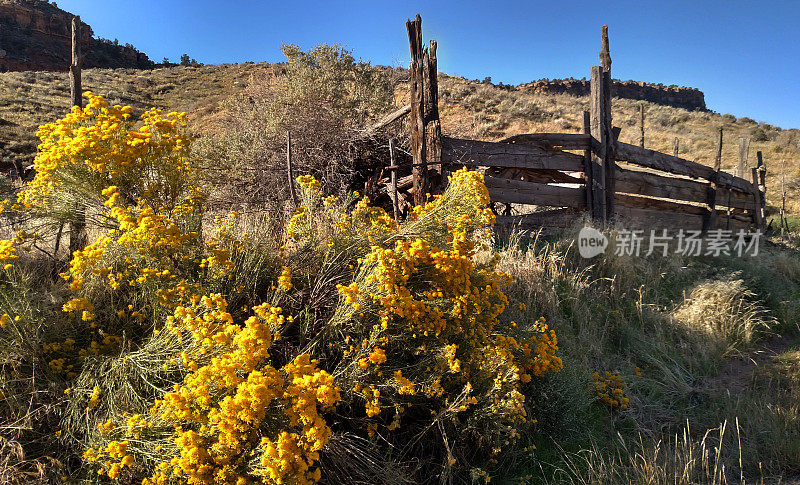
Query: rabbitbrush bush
(191, 354)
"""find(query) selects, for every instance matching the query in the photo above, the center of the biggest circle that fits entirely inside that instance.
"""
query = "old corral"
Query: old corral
(559, 177)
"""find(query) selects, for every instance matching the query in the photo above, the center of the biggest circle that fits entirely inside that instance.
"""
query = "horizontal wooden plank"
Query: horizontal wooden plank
(643, 183)
(642, 218)
(567, 141)
(510, 155)
(559, 218)
(403, 183)
(657, 204)
(668, 163)
(521, 192)
(656, 185)
(529, 175)
(738, 200)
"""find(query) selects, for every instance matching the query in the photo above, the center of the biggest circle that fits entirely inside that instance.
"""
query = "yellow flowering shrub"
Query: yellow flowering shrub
(610, 390)
(153, 289)
(422, 317)
(93, 149)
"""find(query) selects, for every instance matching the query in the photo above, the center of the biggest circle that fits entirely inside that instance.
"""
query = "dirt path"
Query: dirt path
(738, 374)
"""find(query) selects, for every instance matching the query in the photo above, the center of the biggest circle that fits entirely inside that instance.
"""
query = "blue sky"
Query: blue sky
(743, 55)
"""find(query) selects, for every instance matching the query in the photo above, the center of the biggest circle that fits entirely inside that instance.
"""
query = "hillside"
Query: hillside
(468, 109)
(676, 96)
(35, 36)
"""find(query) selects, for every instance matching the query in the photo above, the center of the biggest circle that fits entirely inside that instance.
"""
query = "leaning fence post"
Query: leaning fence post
(611, 133)
(77, 63)
(784, 221)
(417, 120)
(783, 197)
(710, 217)
(394, 168)
(290, 169)
(77, 231)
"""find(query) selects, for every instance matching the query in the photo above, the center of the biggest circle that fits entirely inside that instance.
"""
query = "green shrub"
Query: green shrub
(323, 97)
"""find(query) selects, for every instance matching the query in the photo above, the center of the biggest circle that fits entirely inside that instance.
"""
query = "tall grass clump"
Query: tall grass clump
(727, 310)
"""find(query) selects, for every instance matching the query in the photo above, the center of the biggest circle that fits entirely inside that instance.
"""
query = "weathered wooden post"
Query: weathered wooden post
(602, 143)
(641, 122)
(77, 233)
(710, 217)
(744, 153)
(675, 147)
(77, 63)
(783, 197)
(426, 129)
(433, 126)
(587, 163)
(757, 215)
(290, 169)
(762, 188)
(393, 167)
(417, 121)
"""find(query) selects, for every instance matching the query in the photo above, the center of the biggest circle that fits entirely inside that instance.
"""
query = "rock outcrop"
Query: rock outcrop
(35, 36)
(679, 97)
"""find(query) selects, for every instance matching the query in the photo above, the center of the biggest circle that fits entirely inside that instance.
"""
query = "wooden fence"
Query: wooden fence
(560, 177)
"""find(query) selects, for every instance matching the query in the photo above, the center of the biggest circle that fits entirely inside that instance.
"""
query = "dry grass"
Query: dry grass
(679, 320)
(725, 309)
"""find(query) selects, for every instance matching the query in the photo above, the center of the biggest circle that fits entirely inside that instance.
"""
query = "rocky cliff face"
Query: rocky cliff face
(35, 36)
(679, 97)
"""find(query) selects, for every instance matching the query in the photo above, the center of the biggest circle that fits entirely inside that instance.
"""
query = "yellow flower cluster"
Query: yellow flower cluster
(539, 352)
(116, 458)
(453, 363)
(8, 247)
(353, 225)
(378, 356)
(65, 360)
(94, 398)
(610, 389)
(285, 279)
(220, 406)
(8, 252)
(308, 182)
(102, 144)
(406, 386)
(80, 305)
